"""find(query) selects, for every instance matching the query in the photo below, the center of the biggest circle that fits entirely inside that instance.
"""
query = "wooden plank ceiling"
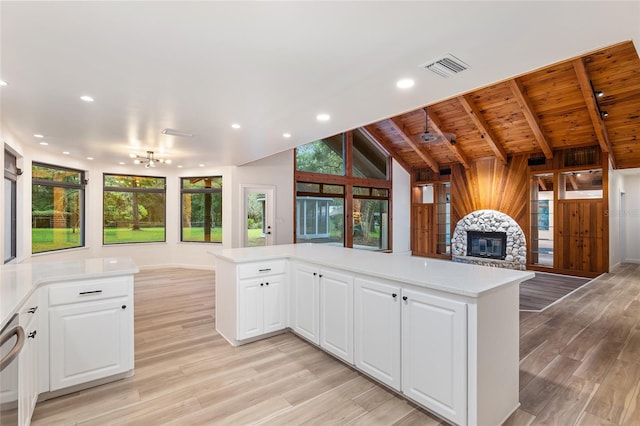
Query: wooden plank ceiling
(539, 113)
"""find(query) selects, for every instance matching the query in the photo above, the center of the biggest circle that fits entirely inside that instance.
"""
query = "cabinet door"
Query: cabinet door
(336, 314)
(250, 308)
(89, 341)
(274, 306)
(28, 375)
(434, 354)
(377, 330)
(304, 302)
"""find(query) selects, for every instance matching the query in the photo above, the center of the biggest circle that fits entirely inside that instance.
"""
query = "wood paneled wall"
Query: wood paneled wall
(488, 184)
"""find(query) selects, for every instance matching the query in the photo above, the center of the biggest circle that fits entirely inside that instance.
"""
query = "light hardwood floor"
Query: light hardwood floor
(580, 364)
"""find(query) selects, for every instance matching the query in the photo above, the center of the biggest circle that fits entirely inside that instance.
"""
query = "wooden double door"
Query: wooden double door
(580, 243)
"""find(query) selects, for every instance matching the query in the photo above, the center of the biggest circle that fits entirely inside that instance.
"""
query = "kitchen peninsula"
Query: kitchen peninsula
(443, 334)
(77, 318)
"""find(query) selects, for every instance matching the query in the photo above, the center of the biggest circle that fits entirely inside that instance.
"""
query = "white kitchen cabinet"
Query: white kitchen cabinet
(377, 330)
(255, 297)
(322, 308)
(451, 346)
(262, 303)
(305, 301)
(434, 353)
(336, 313)
(90, 331)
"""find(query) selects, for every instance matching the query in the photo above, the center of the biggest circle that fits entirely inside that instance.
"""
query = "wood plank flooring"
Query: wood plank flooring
(580, 365)
(544, 289)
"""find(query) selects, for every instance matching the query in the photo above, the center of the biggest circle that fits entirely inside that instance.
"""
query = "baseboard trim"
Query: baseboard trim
(178, 265)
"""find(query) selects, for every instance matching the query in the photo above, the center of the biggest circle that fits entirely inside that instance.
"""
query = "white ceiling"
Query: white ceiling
(269, 66)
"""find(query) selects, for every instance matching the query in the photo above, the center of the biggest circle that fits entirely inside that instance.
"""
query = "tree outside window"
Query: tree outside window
(134, 209)
(201, 209)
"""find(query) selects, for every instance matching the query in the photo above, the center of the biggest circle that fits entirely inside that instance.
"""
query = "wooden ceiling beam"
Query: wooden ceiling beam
(592, 106)
(532, 119)
(437, 126)
(372, 133)
(481, 124)
(542, 185)
(423, 155)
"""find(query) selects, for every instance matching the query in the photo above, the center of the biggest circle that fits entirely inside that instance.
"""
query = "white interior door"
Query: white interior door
(258, 205)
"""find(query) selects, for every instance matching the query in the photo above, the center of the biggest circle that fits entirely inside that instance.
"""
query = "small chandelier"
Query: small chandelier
(149, 160)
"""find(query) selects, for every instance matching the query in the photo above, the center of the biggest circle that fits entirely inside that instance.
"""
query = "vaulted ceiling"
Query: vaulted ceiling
(538, 113)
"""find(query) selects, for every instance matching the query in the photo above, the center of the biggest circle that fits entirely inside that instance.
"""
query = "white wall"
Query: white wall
(631, 217)
(401, 210)
(615, 188)
(275, 170)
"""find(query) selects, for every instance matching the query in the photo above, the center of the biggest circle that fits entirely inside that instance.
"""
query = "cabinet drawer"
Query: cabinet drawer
(258, 269)
(86, 291)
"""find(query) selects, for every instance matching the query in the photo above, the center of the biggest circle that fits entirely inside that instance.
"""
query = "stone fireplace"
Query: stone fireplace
(490, 238)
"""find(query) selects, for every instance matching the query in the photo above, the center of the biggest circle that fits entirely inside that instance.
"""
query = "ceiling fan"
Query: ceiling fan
(431, 137)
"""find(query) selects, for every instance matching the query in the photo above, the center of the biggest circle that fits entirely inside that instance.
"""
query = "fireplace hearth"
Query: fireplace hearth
(488, 245)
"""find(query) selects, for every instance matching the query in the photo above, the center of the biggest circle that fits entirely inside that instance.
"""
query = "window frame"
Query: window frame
(12, 176)
(200, 191)
(81, 187)
(349, 181)
(162, 190)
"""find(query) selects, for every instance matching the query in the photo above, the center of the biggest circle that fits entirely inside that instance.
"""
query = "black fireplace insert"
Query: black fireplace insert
(492, 245)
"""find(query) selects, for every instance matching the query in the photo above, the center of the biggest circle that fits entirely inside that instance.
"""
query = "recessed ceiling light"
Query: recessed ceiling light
(201, 165)
(3, 83)
(38, 135)
(179, 167)
(132, 155)
(323, 117)
(167, 161)
(86, 98)
(286, 135)
(66, 152)
(235, 125)
(405, 83)
(44, 143)
(89, 158)
(121, 163)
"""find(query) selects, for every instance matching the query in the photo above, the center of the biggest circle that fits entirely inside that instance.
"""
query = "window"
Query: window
(201, 209)
(10, 206)
(134, 209)
(322, 156)
(580, 184)
(57, 208)
(370, 218)
(542, 210)
(369, 161)
(320, 213)
(343, 176)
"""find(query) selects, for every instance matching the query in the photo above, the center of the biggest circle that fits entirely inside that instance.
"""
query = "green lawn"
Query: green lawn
(126, 235)
(47, 239)
(197, 234)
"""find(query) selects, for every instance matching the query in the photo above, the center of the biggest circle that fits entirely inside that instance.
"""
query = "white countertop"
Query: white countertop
(17, 281)
(444, 275)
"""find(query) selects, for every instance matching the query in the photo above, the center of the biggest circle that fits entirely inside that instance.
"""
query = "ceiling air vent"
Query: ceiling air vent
(445, 66)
